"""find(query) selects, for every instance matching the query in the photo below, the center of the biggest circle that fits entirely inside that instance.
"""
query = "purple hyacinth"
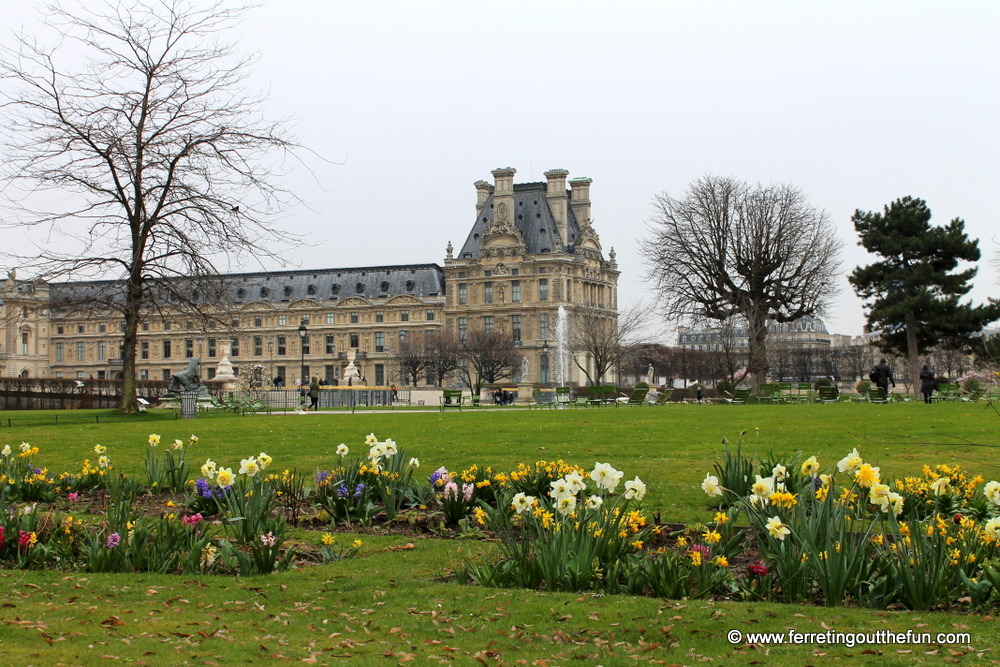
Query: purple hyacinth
(114, 539)
(322, 477)
(204, 490)
(359, 490)
(342, 490)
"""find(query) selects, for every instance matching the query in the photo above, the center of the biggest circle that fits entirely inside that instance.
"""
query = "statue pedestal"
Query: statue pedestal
(172, 399)
(525, 393)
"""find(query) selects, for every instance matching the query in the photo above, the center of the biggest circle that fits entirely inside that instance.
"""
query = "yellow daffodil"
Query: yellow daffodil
(776, 528)
(810, 467)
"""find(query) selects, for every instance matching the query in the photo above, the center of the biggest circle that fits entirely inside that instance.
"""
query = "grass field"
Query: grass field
(386, 606)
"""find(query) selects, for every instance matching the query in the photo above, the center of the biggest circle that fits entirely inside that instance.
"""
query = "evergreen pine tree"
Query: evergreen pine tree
(913, 294)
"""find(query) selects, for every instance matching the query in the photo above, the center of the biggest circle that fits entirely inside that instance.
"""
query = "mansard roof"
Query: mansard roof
(532, 217)
(369, 282)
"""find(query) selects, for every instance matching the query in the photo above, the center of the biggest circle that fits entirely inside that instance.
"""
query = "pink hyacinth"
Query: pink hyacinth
(467, 490)
(192, 520)
(704, 550)
(268, 540)
(114, 539)
(451, 490)
(73, 497)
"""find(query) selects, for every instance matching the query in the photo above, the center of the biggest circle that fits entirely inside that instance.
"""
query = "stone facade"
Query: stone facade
(531, 250)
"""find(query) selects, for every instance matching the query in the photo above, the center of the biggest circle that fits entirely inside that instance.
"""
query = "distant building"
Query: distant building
(805, 332)
(531, 250)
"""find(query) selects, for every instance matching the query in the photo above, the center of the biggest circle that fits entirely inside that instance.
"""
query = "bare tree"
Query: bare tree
(138, 120)
(412, 358)
(728, 248)
(443, 353)
(601, 339)
(490, 355)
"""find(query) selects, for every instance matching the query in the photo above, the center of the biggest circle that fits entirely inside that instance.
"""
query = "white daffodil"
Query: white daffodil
(193, 440)
(710, 485)
(6, 450)
(103, 461)
(575, 480)
(635, 488)
(851, 462)
(779, 472)
(521, 502)
(594, 502)
(249, 467)
(415, 462)
(940, 486)
(390, 448)
(606, 477)
(810, 466)
(776, 528)
(763, 487)
(100, 449)
(896, 502)
(154, 440)
(224, 478)
(992, 528)
(560, 488)
(25, 448)
(566, 505)
(991, 490)
(208, 469)
(342, 450)
(370, 439)
(178, 444)
(263, 460)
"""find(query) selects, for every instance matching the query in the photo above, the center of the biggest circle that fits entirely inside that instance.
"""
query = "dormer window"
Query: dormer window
(311, 290)
(359, 288)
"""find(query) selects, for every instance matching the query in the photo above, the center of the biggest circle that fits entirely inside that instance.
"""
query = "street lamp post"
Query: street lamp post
(302, 353)
(270, 356)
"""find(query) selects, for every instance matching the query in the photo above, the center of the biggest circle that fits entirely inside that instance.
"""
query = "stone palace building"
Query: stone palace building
(531, 250)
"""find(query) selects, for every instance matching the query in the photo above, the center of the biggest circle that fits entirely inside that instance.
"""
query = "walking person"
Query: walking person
(883, 376)
(927, 383)
(314, 394)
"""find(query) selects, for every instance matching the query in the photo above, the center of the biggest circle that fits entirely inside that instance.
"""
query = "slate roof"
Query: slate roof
(532, 216)
(370, 282)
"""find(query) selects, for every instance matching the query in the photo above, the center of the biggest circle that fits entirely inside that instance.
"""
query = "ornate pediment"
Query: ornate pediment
(353, 301)
(257, 305)
(304, 303)
(588, 238)
(403, 298)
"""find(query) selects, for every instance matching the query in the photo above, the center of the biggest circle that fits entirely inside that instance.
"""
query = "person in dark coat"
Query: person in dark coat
(927, 383)
(883, 376)
(314, 394)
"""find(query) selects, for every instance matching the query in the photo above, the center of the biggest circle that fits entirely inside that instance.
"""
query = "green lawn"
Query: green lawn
(385, 607)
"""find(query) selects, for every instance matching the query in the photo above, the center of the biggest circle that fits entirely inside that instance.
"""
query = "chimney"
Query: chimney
(482, 194)
(503, 195)
(580, 199)
(556, 198)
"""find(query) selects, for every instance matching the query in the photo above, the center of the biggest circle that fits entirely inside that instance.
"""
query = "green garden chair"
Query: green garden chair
(637, 398)
(740, 397)
(878, 395)
(663, 398)
(829, 395)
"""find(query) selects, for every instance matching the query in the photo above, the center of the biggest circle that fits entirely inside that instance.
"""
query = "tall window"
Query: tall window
(463, 294)
(144, 374)
(330, 345)
(380, 316)
(102, 350)
(543, 326)
(80, 352)
(379, 375)
(258, 321)
(543, 289)
(305, 345)
(354, 318)
(488, 323)
(211, 347)
(258, 346)
(281, 346)
(430, 315)
(144, 349)
(404, 316)
(488, 293)
(188, 348)
(463, 327)
(282, 320)
(379, 342)
(515, 327)
(515, 291)
(166, 325)
(59, 351)
(234, 350)
(329, 318)
(353, 338)
(305, 319)
(166, 349)
(543, 368)
(102, 327)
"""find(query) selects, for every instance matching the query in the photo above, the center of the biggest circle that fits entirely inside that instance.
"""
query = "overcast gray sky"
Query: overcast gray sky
(858, 103)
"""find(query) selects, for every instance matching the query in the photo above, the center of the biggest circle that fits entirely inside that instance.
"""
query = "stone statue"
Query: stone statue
(649, 375)
(525, 364)
(188, 379)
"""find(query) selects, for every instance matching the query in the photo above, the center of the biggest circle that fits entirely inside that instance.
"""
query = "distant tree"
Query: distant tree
(412, 358)
(443, 353)
(727, 248)
(912, 294)
(987, 350)
(490, 355)
(161, 164)
(598, 340)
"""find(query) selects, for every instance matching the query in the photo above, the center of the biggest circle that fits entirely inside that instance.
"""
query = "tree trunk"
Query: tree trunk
(133, 299)
(913, 353)
(757, 348)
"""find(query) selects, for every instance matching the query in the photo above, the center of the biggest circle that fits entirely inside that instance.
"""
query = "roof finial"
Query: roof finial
(449, 250)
